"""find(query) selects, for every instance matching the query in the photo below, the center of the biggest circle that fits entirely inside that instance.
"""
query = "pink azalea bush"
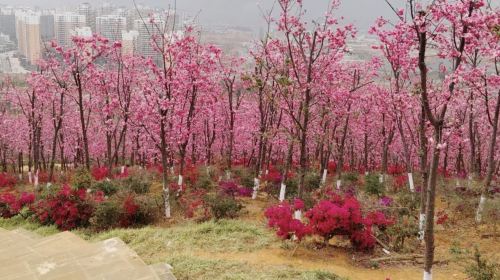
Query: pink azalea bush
(338, 216)
(11, 205)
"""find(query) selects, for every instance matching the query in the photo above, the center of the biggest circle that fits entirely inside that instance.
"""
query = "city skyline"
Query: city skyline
(225, 12)
(28, 27)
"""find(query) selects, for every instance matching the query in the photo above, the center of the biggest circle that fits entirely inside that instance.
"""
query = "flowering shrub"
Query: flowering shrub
(332, 167)
(373, 185)
(10, 205)
(230, 188)
(281, 218)
(67, 209)
(442, 218)
(191, 174)
(82, 179)
(129, 211)
(139, 183)
(399, 182)
(386, 201)
(43, 177)
(274, 177)
(194, 204)
(245, 192)
(445, 173)
(395, 169)
(99, 173)
(223, 206)
(124, 211)
(328, 218)
(7, 180)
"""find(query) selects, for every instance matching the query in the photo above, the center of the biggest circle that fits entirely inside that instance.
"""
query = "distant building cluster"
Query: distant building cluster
(27, 29)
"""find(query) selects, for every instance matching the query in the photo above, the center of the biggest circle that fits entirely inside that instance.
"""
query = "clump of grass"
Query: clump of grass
(189, 267)
(155, 244)
(20, 222)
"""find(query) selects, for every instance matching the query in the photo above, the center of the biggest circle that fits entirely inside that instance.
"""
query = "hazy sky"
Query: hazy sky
(243, 13)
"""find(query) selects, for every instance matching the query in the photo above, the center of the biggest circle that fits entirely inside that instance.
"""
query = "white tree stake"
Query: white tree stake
(282, 192)
(427, 275)
(410, 181)
(421, 223)
(255, 187)
(339, 184)
(323, 178)
(36, 179)
(297, 215)
(480, 208)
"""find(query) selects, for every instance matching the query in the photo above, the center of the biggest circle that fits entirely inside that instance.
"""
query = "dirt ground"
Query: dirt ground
(338, 260)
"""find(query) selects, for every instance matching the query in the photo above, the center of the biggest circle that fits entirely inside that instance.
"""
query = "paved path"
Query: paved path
(25, 255)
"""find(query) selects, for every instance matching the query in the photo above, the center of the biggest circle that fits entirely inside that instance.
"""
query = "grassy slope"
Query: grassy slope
(179, 246)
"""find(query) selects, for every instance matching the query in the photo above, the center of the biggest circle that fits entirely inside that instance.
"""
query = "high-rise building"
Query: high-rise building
(84, 32)
(28, 34)
(106, 9)
(8, 24)
(86, 10)
(111, 27)
(129, 42)
(149, 32)
(47, 31)
(65, 24)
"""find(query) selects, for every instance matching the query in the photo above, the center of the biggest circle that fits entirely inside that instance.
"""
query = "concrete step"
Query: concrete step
(163, 270)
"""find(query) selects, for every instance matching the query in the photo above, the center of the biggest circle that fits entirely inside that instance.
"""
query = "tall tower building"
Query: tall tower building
(8, 24)
(65, 24)
(47, 31)
(129, 42)
(86, 10)
(147, 32)
(111, 27)
(28, 34)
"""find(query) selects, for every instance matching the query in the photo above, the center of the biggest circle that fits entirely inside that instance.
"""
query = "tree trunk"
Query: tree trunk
(491, 161)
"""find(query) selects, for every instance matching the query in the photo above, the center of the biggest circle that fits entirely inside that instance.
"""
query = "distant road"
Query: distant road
(10, 64)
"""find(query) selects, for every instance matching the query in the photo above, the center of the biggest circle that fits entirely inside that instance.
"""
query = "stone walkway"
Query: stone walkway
(25, 255)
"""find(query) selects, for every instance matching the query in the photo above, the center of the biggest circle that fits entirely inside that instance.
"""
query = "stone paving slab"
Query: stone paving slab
(25, 256)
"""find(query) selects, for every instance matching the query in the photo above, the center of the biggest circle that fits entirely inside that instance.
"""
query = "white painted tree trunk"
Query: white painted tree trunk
(166, 201)
(323, 178)
(180, 181)
(256, 183)
(208, 170)
(297, 215)
(339, 184)
(228, 175)
(35, 180)
(122, 170)
(480, 208)
(410, 182)
(427, 275)
(366, 173)
(30, 179)
(421, 224)
(282, 192)
(381, 178)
